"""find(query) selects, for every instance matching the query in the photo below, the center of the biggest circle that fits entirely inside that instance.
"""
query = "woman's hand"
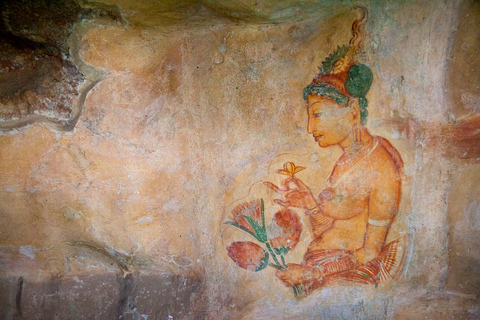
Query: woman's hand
(299, 196)
(298, 274)
(292, 276)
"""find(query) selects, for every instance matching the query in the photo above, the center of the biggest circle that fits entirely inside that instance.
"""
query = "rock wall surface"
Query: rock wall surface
(131, 128)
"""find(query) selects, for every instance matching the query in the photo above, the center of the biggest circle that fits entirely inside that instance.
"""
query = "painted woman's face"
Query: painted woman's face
(328, 122)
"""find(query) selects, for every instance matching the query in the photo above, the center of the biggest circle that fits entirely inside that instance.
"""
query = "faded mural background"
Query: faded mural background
(118, 185)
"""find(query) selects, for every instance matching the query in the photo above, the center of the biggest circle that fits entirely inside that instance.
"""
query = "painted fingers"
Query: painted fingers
(273, 187)
(299, 196)
(284, 190)
(277, 190)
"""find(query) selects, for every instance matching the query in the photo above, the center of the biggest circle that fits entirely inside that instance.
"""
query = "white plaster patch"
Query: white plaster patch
(472, 214)
(70, 213)
(471, 101)
(190, 185)
(125, 253)
(274, 230)
(10, 189)
(171, 206)
(181, 261)
(28, 251)
(145, 219)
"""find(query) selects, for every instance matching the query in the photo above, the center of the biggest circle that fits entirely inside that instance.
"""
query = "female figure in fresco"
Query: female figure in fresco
(351, 217)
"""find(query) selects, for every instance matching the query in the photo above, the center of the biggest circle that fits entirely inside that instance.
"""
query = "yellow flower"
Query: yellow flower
(289, 169)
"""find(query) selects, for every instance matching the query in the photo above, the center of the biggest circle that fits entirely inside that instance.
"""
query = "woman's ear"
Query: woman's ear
(353, 103)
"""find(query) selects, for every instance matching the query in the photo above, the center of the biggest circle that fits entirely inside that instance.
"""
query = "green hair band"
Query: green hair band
(325, 90)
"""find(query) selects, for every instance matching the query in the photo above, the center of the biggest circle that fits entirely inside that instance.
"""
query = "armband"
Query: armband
(379, 223)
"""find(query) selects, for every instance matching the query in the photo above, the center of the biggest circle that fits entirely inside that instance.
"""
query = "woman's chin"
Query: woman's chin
(321, 142)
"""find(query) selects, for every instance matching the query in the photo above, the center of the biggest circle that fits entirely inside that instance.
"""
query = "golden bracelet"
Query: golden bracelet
(312, 211)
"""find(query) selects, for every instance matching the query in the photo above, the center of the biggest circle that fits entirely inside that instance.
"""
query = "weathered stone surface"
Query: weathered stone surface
(118, 213)
(463, 94)
(103, 296)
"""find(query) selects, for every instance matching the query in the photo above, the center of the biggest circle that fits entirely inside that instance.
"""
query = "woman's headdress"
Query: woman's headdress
(341, 77)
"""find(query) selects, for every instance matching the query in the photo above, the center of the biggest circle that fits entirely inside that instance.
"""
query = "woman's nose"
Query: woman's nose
(310, 125)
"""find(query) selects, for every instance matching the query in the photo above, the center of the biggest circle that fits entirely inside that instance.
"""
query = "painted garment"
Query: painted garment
(340, 264)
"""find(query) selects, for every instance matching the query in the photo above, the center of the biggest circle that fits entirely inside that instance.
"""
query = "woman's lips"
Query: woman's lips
(317, 137)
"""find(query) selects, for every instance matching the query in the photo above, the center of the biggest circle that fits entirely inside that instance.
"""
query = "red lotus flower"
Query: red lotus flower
(252, 209)
(248, 255)
(290, 229)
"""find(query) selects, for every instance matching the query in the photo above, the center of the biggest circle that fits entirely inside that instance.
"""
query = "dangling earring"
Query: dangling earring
(356, 133)
(355, 127)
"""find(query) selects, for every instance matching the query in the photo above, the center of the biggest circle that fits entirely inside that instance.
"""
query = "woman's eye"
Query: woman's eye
(318, 114)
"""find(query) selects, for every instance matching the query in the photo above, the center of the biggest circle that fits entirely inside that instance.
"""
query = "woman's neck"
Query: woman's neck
(357, 141)
(353, 153)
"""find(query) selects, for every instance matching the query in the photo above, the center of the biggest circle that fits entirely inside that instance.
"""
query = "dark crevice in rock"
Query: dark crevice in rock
(126, 290)
(132, 296)
(35, 80)
(18, 297)
(40, 77)
(48, 21)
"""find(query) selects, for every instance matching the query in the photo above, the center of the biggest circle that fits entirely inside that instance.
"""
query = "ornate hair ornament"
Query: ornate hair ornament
(341, 77)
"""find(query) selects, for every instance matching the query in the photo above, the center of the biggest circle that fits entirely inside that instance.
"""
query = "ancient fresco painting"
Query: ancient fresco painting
(350, 220)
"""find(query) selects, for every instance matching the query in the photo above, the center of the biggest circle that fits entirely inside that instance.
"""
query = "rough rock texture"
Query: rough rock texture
(130, 128)
(40, 81)
(103, 296)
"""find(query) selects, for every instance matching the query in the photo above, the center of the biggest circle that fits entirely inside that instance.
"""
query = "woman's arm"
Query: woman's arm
(383, 205)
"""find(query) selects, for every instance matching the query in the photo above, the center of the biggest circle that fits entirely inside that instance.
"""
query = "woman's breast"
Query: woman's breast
(346, 234)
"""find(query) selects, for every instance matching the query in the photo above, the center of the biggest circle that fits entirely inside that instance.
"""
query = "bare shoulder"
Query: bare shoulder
(386, 162)
(386, 181)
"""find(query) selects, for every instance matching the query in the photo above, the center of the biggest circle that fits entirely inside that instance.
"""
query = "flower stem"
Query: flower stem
(273, 255)
(275, 266)
(295, 291)
(283, 261)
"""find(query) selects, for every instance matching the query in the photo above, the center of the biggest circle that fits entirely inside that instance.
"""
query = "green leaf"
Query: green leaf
(299, 290)
(261, 234)
(282, 250)
(263, 213)
(263, 262)
(231, 223)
